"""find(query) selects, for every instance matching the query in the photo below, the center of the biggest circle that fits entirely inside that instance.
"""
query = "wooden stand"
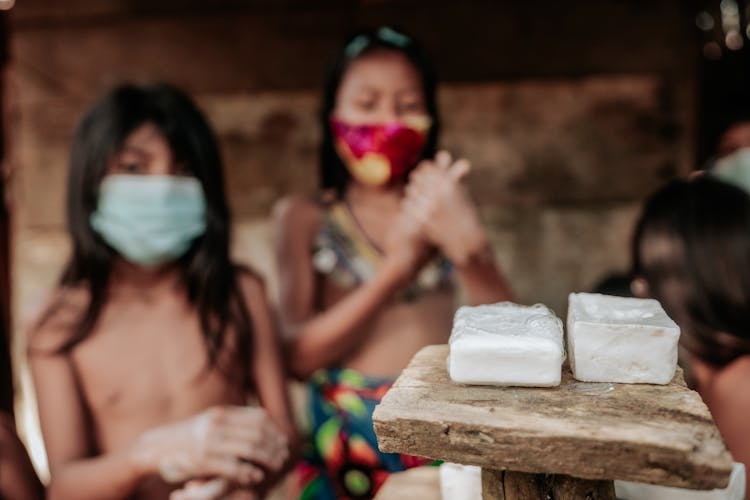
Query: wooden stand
(509, 485)
(562, 443)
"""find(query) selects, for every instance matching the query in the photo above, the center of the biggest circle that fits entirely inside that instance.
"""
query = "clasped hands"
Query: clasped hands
(436, 212)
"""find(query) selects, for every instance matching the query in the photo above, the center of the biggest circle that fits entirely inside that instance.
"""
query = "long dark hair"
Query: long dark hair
(692, 246)
(210, 278)
(333, 172)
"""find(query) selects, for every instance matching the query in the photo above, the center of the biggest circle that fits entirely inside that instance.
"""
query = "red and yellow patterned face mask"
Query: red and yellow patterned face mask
(379, 155)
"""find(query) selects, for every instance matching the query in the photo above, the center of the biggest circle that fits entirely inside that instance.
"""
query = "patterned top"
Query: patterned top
(344, 253)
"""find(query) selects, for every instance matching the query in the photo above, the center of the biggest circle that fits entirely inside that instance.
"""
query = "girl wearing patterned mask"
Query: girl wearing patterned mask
(368, 266)
(144, 358)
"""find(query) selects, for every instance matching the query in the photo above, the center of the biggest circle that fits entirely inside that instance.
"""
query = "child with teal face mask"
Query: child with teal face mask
(145, 356)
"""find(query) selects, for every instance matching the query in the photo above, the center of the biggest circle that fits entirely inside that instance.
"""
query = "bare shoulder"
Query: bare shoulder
(732, 385)
(296, 213)
(53, 324)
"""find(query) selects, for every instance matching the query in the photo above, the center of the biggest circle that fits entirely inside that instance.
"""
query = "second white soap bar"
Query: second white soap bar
(506, 344)
(620, 339)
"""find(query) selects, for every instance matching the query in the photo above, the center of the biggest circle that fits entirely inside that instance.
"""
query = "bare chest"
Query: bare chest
(144, 366)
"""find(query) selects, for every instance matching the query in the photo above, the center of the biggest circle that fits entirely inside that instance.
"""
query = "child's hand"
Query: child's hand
(211, 489)
(232, 442)
(437, 199)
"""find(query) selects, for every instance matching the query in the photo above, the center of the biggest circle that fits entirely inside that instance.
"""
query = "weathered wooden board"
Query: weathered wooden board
(636, 432)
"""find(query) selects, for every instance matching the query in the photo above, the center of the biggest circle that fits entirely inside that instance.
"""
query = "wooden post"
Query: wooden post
(492, 484)
(523, 486)
(509, 485)
(569, 488)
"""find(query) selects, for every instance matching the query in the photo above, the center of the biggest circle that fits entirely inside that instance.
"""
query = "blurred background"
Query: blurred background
(571, 112)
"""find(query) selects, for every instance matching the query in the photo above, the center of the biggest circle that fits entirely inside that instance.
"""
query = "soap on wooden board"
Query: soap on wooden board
(506, 344)
(620, 339)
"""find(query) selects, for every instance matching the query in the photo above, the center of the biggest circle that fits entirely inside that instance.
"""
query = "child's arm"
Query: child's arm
(322, 338)
(480, 275)
(66, 439)
(18, 480)
(268, 363)
(267, 367)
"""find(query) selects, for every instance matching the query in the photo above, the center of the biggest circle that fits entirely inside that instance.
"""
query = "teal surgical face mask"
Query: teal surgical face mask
(734, 169)
(150, 219)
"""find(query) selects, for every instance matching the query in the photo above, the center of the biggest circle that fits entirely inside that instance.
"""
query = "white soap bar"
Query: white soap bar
(506, 344)
(460, 482)
(620, 339)
(639, 491)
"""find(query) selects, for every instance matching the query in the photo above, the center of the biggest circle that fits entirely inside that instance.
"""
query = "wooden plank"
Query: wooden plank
(646, 433)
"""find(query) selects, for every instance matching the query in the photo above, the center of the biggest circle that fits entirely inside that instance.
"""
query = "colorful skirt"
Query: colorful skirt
(341, 458)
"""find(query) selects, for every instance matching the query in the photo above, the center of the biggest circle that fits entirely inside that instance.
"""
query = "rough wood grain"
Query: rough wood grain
(646, 433)
(571, 488)
(509, 485)
(493, 484)
(523, 486)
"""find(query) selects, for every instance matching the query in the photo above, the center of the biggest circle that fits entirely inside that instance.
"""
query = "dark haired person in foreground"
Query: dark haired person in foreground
(144, 357)
(691, 251)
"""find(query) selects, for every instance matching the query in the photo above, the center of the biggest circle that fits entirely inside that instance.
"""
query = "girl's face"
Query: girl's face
(149, 210)
(380, 87)
(146, 151)
(380, 123)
